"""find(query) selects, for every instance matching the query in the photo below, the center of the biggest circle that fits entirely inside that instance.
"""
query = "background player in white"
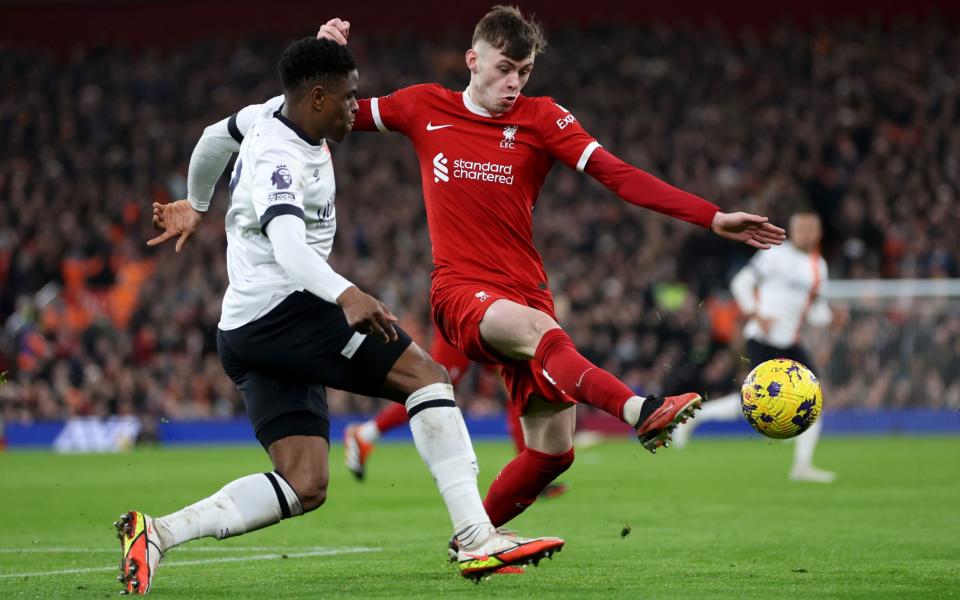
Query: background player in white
(291, 325)
(778, 292)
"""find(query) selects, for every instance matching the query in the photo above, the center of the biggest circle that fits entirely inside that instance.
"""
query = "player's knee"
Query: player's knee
(566, 461)
(557, 464)
(310, 485)
(427, 372)
(437, 373)
(312, 491)
(535, 328)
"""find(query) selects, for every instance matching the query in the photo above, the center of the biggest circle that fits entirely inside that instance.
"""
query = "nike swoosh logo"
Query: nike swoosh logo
(579, 381)
(432, 127)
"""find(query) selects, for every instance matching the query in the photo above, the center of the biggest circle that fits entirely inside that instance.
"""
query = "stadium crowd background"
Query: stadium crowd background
(858, 119)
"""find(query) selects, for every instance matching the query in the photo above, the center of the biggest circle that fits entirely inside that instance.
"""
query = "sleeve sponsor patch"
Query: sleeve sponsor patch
(278, 197)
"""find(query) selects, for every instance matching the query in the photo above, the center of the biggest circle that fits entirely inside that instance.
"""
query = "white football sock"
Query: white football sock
(725, 408)
(241, 506)
(632, 409)
(444, 445)
(369, 432)
(805, 445)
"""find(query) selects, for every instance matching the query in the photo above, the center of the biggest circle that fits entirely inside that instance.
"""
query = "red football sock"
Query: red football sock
(521, 481)
(578, 377)
(514, 427)
(391, 417)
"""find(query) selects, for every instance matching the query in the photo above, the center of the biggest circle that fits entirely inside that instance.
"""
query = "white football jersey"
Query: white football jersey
(782, 284)
(279, 171)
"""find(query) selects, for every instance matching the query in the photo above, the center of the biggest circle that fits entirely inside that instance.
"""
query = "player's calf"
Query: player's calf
(301, 462)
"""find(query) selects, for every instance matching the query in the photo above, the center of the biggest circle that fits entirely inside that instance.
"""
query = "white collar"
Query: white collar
(476, 108)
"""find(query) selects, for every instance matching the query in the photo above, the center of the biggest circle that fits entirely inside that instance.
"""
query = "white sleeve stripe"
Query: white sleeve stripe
(587, 152)
(353, 344)
(375, 110)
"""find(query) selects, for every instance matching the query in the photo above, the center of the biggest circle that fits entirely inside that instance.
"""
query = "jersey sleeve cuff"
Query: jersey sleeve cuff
(233, 129)
(275, 211)
(199, 206)
(585, 156)
(375, 112)
(338, 285)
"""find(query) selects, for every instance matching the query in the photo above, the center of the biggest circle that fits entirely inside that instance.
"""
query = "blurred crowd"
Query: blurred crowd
(858, 120)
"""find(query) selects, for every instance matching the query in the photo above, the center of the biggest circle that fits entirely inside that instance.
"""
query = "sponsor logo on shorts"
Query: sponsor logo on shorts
(482, 296)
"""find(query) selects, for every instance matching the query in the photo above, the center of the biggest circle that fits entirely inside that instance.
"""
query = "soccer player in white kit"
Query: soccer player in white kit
(291, 326)
(778, 292)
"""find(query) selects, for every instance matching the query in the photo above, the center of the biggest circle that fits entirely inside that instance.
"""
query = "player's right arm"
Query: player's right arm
(218, 143)
(210, 157)
(282, 220)
(383, 114)
(388, 113)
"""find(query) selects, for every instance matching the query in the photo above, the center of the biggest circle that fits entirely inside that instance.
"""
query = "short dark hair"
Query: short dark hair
(311, 59)
(509, 31)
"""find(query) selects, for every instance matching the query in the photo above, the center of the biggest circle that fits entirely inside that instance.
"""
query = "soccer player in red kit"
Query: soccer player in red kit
(484, 154)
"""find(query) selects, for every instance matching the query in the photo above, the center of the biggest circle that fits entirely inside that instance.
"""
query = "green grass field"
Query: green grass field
(716, 520)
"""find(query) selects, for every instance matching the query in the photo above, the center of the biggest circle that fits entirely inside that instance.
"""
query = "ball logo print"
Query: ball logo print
(781, 398)
(440, 170)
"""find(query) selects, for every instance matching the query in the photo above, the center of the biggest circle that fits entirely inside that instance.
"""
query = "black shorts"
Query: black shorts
(759, 352)
(283, 361)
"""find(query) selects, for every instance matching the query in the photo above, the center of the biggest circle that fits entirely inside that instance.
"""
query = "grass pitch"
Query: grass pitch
(716, 520)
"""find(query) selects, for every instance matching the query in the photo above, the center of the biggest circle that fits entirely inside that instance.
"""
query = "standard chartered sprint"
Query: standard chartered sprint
(483, 171)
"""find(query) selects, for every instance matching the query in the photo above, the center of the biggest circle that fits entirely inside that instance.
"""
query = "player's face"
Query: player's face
(805, 231)
(339, 107)
(496, 78)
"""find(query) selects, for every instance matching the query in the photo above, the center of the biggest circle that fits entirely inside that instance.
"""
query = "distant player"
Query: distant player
(484, 153)
(779, 293)
(290, 326)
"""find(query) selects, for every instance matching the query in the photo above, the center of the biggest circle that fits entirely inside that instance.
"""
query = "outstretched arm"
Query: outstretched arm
(643, 189)
(210, 157)
(383, 114)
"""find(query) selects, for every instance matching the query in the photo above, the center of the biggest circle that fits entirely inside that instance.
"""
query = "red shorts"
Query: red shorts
(453, 360)
(457, 312)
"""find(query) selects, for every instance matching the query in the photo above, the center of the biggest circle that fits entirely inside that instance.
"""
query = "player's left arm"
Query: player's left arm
(571, 144)
(643, 189)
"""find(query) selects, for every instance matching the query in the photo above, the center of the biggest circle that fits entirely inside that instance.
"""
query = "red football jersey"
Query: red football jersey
(481, 176)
